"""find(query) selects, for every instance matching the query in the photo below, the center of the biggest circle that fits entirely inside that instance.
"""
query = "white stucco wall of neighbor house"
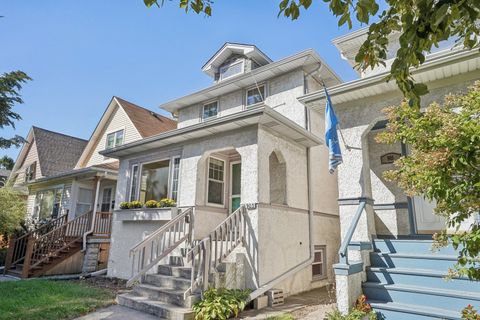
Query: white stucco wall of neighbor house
(359, 175)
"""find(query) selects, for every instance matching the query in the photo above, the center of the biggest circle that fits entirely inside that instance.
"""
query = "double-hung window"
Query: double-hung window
(216, 181)
(210, 110)
(30, 172)
(255, 95)
(318, 265)
(114, 139)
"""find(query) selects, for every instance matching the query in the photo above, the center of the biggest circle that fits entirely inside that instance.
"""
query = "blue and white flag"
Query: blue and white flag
(331, 137)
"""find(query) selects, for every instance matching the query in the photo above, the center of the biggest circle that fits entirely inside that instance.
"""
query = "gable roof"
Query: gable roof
(51, 147)
(147, 122)
(57, 152)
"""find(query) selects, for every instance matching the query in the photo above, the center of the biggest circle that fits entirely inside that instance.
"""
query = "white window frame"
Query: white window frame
(203, 110)
(223, 182)
(28, 171)
(36, 205)
(171, 175)
(230, 195)
(114, 132)
(131, 196)
(323, 250)
(112, 196)
(241, 61)
(265, 94)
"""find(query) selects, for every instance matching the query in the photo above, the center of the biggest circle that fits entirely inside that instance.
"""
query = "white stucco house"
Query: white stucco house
(249, 171)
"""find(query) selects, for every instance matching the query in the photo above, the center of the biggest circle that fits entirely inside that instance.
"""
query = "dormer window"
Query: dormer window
(231, 69)
(210, 110)
(255, 95)
(115, 139)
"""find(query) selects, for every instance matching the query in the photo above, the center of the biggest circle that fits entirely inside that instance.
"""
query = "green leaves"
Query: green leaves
(444, 165)
(220, 304)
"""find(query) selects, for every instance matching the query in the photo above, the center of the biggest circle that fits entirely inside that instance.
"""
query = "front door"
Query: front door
(106, 199)
(235, 185)
(427, 221)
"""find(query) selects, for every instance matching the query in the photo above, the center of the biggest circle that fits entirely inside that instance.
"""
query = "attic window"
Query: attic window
(30, 172)
(231, 70)
(114, 139)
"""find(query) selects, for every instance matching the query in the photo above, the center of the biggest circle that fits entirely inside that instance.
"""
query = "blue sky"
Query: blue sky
(81, 53)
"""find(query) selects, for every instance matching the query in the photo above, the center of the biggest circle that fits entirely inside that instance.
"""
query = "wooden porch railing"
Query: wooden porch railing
(160, 243)
(212, 250)
(51, 244)
(103, 224)
(17, 246)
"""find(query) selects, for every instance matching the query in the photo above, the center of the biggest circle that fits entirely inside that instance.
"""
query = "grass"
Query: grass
(285, 316)
(43, 299)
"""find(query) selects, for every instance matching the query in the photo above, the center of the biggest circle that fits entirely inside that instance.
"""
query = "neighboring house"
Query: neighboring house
(67, 179)
(249, 171)
(4, 174)
(402, 277)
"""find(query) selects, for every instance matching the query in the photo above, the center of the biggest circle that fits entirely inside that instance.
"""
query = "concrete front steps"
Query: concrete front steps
(406, 281)
(161, 294)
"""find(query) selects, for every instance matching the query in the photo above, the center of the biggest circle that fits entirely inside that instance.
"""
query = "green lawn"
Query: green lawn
(284, 316)
(43, 299)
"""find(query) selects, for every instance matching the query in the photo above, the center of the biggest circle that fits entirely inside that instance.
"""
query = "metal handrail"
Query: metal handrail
(161, 243)
(342, 252)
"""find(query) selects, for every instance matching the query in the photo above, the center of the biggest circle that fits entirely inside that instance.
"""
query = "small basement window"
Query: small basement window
(318, 264)
(210, 110)
(255, 95)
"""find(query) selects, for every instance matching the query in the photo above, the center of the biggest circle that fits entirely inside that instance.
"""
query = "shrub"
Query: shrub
(361, 310)
(124, 205)
(166, 203)
(151, 204)
(134, 205)
(470, 313)
(220, 304)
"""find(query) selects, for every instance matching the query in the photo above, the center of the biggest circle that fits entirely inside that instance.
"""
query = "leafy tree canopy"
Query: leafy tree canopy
(444, 166)
(12, 211)
(10, 85)
(6, 163)
(422, 24)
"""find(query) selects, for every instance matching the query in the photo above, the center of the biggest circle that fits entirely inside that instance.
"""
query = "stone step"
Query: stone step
(168, 295)
(176, 271)
(412, 261)
(425, 296)
(420, 277)
(157, 308)
(399, 311)
(161, 280)
(414, 246)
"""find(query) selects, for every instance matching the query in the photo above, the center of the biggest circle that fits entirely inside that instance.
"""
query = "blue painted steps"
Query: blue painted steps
(406, 281)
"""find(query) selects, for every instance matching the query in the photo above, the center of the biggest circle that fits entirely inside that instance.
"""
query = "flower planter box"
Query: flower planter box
(145, 214)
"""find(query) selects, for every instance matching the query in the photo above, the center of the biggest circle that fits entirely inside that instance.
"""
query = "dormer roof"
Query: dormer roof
(229, 49)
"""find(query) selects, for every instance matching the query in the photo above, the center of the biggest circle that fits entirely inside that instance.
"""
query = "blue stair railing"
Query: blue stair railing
(343, 251)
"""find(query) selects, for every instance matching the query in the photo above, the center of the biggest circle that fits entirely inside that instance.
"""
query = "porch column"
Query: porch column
(354, 187)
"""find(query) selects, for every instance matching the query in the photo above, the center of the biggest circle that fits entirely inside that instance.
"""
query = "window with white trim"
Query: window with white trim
(231, 70)
(216, 181)
(318, 264)
(175, 178)
(48, 204)
(154, 180)
(210, 110)
(255, 95)
(134, 183)
(114, 139)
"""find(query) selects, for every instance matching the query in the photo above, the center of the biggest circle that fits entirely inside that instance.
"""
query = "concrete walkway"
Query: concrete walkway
(311, 305)
(7, 278)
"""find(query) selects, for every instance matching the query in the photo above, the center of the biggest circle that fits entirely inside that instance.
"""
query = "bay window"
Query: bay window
(155, 180)
(216, 181)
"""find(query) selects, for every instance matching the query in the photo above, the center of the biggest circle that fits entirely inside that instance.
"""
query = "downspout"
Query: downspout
(94, 214)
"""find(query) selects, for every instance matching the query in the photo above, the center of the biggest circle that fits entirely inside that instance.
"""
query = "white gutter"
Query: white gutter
(94, 214)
